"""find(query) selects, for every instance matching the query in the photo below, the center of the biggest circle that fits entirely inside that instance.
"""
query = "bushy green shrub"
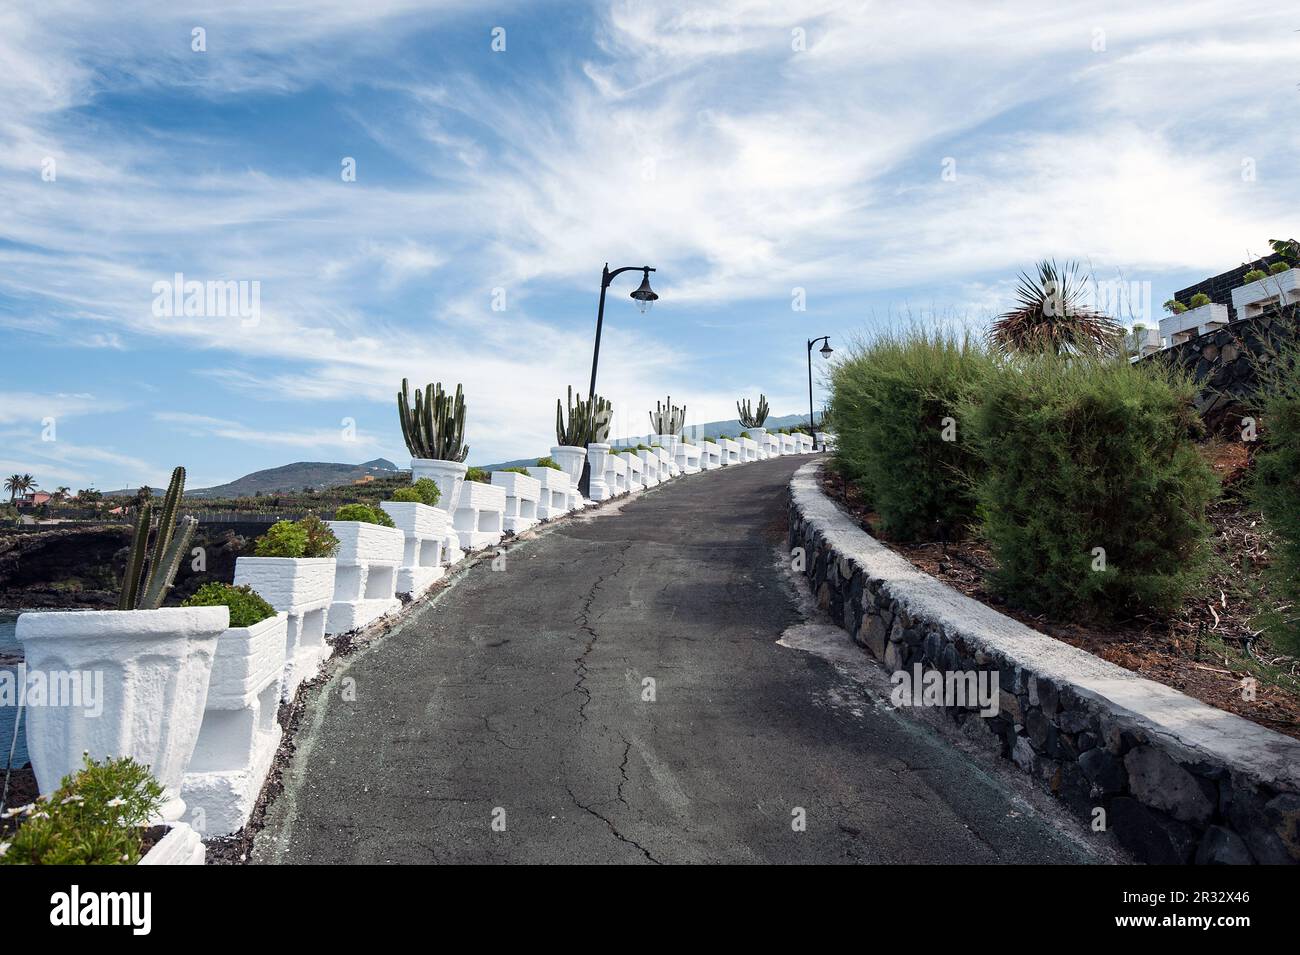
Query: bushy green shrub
(282, 539)
(1275, 486)
(1199, 299)
(479, 475)
(95, 817)
(423, 491)
(246, 605)
(548, 462)
(523, 471)
(1277, 268)
(364, 513)
(321, 541)
(1174, 307)
(1254, 275)
(1091, 493)
(895, 400)
(308, 537)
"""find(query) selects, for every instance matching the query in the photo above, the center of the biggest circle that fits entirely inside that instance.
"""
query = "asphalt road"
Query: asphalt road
(509, 719)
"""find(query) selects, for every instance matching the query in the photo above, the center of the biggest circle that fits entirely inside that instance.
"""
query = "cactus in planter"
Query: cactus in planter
(435, 427)
(667, 418)
(588, 421)
(147, 581)
(755, 418)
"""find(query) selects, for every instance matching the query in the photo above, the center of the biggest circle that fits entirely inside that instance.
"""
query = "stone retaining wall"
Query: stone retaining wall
(1175, 780)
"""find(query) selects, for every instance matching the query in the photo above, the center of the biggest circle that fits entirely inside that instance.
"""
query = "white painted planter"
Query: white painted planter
(1195, 321)
(571, 458)
(365, 582)
(805, 442)
(730, 451)
(303, 588)
(687, 457)
(748, 449)
(668, 468)
(424, 530)
(759, 437)
(773, 445)
(649, 467)
(556, 492)
(154, 666)
(449, 476)
(669, 441)
(180, 846)
(710, 456)
(826, 440)
(523, 494)
(635, 471)
(479, 519)
(599, 488)
(1281, 289)
(239, 734)
(616, 473)
(789, 444)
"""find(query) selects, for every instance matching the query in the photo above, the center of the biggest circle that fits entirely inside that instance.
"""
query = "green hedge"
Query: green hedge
(1083, 454)
(890, 398)
(247, 606)
(1275, 488)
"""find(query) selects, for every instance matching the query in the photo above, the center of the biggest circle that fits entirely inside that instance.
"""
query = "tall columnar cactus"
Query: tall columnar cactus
(435, 427)
(588, 421)
(151, 572)
(755, 418)
(667, 418)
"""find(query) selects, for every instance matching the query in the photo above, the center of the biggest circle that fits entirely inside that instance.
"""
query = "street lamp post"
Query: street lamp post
(644, 296)
(826, 353)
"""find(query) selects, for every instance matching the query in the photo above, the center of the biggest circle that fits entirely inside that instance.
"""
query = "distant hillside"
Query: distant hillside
(289, 477)
(697, 432)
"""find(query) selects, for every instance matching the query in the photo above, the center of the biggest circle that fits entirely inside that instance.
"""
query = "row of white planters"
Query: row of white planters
(196, 700)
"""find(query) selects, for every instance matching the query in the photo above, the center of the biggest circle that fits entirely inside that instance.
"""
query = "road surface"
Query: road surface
(617, 694)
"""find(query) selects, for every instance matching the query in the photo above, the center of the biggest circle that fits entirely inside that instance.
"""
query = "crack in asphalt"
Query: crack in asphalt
(612, 828)
(584, 614)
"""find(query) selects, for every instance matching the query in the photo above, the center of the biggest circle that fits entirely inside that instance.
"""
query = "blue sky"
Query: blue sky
(746, 149)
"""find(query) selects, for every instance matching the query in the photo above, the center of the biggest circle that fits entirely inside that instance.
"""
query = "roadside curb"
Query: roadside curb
(1174, 779)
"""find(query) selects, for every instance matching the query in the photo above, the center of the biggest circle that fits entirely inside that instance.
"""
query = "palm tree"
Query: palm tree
(14, 485)
(1050, 316)
(60, 494)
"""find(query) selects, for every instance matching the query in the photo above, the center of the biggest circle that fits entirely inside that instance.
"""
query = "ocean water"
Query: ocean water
(9, 648)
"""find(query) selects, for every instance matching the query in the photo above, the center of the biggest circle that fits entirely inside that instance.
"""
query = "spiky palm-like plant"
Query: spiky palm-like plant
(14, 485)
(755, 418)
(1051, 316)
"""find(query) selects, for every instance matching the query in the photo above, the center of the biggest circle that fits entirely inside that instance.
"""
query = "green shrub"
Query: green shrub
(896, 401)
(523, 471)
(1254, 275)
(1275, 486)
(308, 537)
(423, 491)
(479, 475)
(1082, 454)
(364, 513)
(1278, 268)
(246, 605)
(282, 539)
(548, 462)
(321, 541)
(1199, 299)
(95, 817)
(1175, 307)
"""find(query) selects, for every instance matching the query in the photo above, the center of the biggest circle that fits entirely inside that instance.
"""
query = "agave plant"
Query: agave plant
(435, 428)
(1050, 315)
(150, 571)
(588, 421)
(667, 418)
(755, 418)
